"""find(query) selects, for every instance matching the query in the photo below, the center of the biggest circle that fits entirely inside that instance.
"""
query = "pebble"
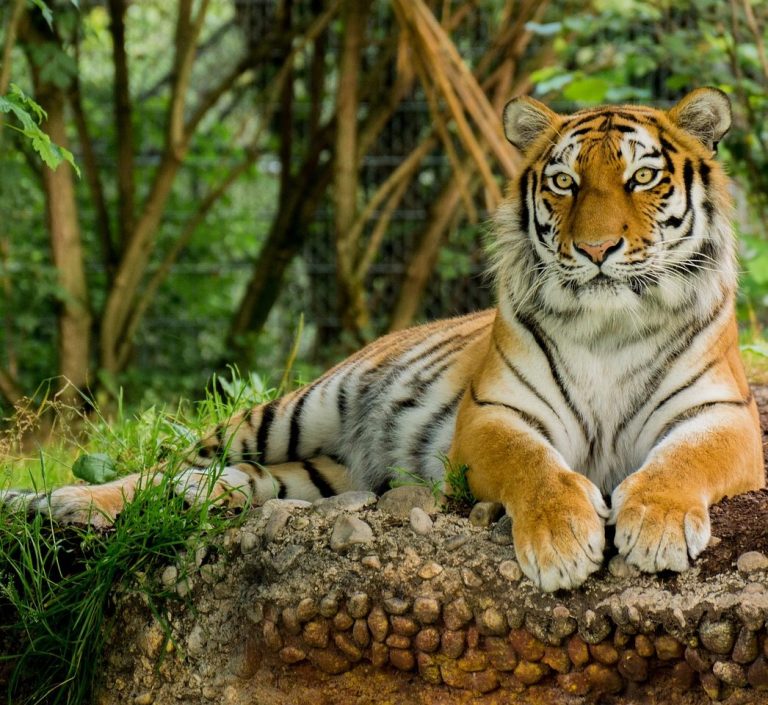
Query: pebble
(430, 570)
(144, 699)
(730, 673)
(400, 500)
(342, 621)
(299, 523)
(359, 605)
(349, 530)
(751, 562)
(668, 648)
(196, 641)
(378, 624)
(633, 666)
(426, 610)
(249, 542)
(184, 586)
(492, 622)
(427, 640)
(746, 648)
(170, 576)
(286, 504)
(373, 562)
(510, 570)
(421, 523)
(619, 568)
(306, 609)
(470, 578)
(329, 606)
(345, 502)
(718, 637)
(501, 534)
(285, 560)
(457, 613)
(277, 522)
(483, 514)
(455, 542)
(396, 605)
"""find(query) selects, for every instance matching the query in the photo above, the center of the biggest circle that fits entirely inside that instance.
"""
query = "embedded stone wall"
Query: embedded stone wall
(362, 600)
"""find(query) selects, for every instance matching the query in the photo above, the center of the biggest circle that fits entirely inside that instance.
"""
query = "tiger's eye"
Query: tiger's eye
(563, 181)
(644, 175)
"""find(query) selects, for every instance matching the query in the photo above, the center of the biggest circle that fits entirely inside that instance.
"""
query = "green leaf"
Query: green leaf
(95, 468)
(45, 10)
(30, 114)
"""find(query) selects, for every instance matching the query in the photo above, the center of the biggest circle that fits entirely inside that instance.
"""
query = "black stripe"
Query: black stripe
(666, 144)
(295, 432)
(317, 479)
(341, 402)
(522, 379)
(701, 259)
(694, 411)
(431, 426)
(675, 346)
(704, 170)
(525, 214)
(262, 435)
(687, 385)
(282, 492)
(529, 419)
(535, 332)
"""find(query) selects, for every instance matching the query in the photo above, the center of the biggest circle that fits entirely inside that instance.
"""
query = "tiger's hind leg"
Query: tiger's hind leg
(254, 484)
(240, 485)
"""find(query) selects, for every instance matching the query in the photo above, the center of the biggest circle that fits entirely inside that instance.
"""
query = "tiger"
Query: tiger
(605, 388)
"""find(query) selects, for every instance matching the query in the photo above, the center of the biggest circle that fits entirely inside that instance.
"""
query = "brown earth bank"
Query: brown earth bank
(358, 599)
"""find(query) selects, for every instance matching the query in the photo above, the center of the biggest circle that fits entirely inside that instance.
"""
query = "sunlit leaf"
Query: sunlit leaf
(95, 468)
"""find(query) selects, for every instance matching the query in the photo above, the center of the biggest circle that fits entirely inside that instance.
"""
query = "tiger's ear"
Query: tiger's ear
(525, 119)
(704, 113)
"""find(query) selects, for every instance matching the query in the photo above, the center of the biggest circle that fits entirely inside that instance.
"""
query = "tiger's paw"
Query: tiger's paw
(559, 538)
(94, 505)
(656, 529)
(227, 487)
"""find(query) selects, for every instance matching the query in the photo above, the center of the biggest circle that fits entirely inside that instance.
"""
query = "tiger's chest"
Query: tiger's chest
(595, 400)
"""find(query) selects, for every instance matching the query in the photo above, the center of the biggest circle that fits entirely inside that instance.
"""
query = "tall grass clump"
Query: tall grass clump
(57, 583)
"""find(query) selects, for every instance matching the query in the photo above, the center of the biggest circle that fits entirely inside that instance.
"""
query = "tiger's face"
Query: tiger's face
(619, 205)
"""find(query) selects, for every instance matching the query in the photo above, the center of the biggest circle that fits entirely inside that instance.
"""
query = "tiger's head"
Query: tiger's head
(618, 207)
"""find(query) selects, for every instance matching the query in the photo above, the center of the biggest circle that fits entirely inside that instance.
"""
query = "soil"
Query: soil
(739, 522)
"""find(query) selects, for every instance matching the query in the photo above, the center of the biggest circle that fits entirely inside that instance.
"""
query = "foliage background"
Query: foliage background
(568, 54)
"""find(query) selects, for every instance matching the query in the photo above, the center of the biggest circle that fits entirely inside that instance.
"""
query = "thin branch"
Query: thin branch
(758, 37)
(265, 50)
(380, 229)
(8, 387)
(123, 109)
(11, 32)
(93, 178)
(156, 88)
(187, 33)
(190, 228)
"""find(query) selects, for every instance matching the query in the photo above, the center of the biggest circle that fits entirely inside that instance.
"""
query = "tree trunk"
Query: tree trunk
(74, 317)
(352, 308)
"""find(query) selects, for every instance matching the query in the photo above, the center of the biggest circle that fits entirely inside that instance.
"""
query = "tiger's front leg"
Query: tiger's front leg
(661, 511)
(557, 514)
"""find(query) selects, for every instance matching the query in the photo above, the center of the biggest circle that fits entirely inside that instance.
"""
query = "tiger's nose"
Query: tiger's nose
(599, 251)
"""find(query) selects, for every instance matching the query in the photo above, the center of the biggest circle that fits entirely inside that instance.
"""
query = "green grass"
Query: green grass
(56, 582)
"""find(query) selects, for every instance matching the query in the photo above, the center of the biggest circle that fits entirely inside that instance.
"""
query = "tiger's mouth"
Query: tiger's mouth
(604, 283)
